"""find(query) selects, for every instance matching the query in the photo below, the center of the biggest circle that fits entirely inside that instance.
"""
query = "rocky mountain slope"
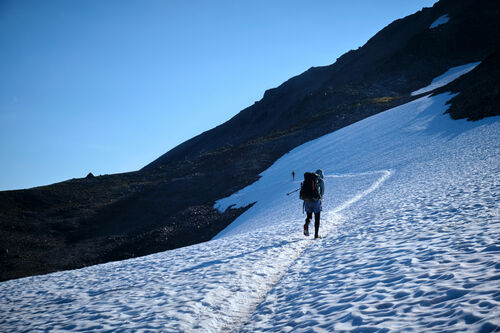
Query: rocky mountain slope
(169, 203)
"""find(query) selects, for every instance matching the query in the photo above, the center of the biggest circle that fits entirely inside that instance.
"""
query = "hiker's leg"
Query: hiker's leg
(306, 225)
(308, 218)
(316, 224)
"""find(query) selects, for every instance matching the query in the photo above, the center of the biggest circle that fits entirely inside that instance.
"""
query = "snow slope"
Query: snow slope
(411, 227)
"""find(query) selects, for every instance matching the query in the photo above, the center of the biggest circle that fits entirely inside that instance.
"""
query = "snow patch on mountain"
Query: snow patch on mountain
(440, 20)
(450, 75)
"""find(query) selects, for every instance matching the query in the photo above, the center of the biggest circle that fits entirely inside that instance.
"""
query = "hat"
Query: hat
(320, 173)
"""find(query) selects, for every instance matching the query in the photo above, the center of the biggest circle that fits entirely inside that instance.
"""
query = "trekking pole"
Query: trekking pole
(293, 191)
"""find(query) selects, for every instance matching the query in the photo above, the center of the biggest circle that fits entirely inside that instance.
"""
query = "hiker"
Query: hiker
(311, 191)
(293, 175)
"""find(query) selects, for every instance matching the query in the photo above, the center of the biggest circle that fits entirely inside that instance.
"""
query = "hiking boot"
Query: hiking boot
(306, 230)
(317, 237)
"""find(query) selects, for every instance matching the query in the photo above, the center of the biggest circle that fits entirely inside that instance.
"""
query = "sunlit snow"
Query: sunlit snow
(411, 241)
(450, 75)
(440, 20)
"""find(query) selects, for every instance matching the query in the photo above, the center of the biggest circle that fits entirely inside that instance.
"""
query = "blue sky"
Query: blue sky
(109, 86)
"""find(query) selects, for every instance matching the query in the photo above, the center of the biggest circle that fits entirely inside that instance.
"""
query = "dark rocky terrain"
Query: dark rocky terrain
(169, 203)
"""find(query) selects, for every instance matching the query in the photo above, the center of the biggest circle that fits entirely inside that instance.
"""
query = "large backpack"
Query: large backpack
(310, 187)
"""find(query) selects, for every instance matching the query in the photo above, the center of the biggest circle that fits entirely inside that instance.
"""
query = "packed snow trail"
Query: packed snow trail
(385, 175)
(411, 218)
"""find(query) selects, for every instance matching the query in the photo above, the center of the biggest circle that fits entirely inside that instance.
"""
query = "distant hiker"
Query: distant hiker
(311, 191)
(293, 175)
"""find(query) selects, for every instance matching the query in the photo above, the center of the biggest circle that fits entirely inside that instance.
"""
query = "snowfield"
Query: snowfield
(411, 242)
(440, 20)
